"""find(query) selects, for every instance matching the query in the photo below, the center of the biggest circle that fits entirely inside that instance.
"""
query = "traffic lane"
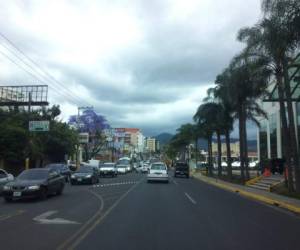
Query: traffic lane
(153, 216)
(239, 217)
(77, 204)
(111, 194)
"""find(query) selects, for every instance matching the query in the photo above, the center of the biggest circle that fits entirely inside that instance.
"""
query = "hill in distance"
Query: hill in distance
(164, 138)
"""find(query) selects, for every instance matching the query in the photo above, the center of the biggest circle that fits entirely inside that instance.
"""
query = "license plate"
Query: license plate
(79, 179)
(17, 194)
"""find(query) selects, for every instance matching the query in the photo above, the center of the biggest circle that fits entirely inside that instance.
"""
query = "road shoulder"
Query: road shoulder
(290, 204)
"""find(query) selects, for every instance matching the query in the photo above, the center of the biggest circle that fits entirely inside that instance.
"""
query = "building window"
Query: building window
(273, 135)
(263, 140)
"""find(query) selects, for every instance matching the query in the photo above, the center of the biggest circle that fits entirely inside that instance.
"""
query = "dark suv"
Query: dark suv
(182, 169)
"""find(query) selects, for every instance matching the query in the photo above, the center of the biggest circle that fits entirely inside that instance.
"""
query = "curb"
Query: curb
(261, 198)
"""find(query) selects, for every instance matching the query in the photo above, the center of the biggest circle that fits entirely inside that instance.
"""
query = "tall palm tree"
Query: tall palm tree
(247, 81)
(222, 93)
(209, 116)
(276, 37)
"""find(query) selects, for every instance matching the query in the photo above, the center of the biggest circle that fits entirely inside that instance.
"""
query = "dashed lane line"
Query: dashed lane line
(190, 198)
(115, 184)
(10, 215)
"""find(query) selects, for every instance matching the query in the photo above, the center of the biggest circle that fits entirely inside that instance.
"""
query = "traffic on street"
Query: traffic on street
(129, 212)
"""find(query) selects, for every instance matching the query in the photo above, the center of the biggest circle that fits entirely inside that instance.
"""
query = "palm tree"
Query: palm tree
(222, 94)
(247, 81)
(276, 37)
(209, 117)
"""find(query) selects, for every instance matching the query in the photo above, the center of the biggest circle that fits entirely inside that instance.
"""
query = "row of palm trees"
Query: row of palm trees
(272, 49)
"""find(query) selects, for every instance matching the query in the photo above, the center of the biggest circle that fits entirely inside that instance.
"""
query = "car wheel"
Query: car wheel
(8, 199)
(187, 176)
(60, 191)
(175, 175)
(44, 193)
(72, 182)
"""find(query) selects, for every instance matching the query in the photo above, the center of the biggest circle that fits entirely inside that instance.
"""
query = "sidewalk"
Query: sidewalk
(263, 196)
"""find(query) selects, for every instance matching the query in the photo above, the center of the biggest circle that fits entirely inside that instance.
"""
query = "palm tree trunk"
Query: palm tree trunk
(285, 138)
(209, 149)
(292, 129)
(219, 153)
(240, 117)
(196, 151)
(228, 152)
(245, 146)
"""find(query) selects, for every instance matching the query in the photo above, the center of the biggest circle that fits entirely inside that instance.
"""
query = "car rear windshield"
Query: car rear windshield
(109, 165)
(124, 162)
(158, 167)
(56, 166)
(85, 169)
(34, 174)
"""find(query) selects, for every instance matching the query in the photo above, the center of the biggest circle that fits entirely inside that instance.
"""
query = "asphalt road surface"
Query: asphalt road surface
(128, 213)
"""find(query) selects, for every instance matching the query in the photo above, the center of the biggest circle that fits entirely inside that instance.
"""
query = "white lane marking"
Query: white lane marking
(42, 219)
(115, 184)
(175, 182)
(190, 198)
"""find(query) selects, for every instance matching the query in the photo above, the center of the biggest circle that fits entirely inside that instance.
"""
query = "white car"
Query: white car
(158, 172)
(4, 179)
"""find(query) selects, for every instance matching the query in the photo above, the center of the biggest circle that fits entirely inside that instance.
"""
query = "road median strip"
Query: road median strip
(258, 197)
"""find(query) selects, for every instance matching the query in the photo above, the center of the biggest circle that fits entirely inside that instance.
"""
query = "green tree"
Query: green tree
(276, 38)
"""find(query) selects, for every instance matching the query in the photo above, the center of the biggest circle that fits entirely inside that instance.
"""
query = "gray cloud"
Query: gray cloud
(172, 53)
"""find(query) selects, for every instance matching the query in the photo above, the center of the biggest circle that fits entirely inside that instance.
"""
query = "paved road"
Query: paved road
(128, 213)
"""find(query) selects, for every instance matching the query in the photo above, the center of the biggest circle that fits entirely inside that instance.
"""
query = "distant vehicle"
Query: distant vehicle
(123, 165)
(36, 182)
(158, 172)
(224, 164)
(93, 162)
(182, 169)
(108, 169)
(4, 179)
(253, 164)
(85, 175)
(62, 169)
(236, 164)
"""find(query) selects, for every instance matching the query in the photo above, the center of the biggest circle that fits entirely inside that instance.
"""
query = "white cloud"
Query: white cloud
(140, 63)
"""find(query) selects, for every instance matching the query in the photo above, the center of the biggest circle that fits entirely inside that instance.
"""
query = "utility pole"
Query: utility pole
(78, 128)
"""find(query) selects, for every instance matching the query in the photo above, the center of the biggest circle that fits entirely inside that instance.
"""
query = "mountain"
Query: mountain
(163, 138)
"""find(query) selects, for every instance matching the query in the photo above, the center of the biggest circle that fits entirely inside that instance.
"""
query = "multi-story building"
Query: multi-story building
(150, 144)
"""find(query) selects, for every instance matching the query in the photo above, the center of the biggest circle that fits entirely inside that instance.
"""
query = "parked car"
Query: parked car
(62, 169)
(108, 169)
(36, 182)
(85, 175)
(182, 169)
(4, 179)
(158, 172)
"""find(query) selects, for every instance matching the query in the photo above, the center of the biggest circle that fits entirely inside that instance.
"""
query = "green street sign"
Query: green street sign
(39, 126)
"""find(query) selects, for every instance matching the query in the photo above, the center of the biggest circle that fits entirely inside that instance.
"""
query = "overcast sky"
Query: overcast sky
(144, 64)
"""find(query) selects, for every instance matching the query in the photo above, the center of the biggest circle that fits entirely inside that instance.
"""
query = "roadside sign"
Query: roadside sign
(39, 126)
(83, 138)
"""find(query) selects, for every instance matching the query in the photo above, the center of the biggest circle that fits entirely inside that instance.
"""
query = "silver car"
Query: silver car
(4, 178)
(158, 172)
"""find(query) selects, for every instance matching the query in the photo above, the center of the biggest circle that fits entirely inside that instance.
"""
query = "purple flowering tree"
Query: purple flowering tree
(94, 124)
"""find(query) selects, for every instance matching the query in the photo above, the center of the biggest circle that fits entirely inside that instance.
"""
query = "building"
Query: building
(150, 144)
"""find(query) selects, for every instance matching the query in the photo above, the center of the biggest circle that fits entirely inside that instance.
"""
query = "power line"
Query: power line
(70, 98)
(54, 81)
(33, 75)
